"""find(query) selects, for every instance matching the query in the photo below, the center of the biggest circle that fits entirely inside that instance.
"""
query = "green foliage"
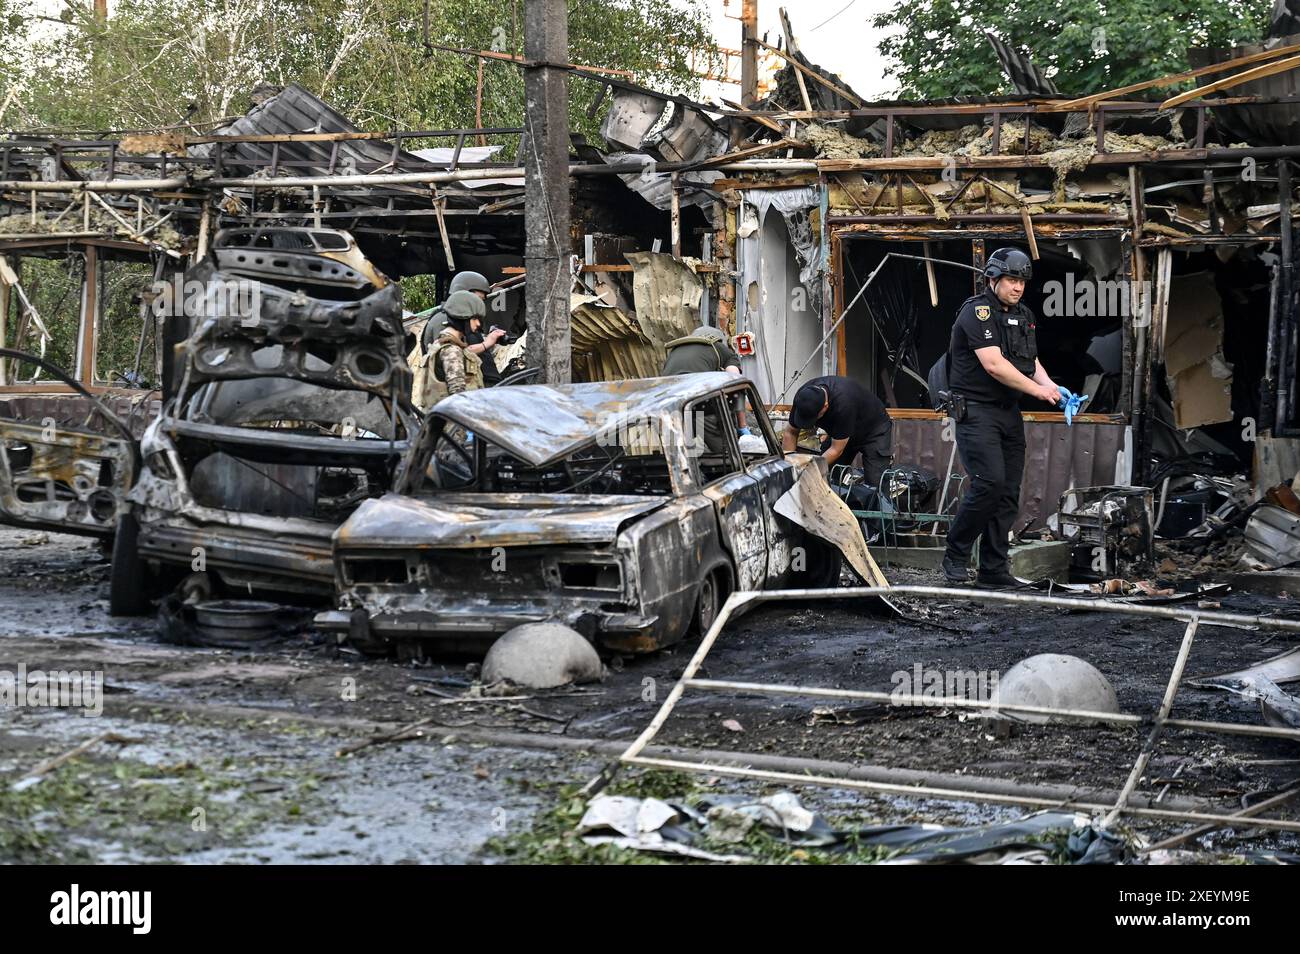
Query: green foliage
(163, 62)
(95, 801)
(1086, 46)
(552, 840)
(419, 292)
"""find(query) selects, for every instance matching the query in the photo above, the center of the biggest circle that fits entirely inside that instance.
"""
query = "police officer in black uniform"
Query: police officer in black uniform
(994, 360)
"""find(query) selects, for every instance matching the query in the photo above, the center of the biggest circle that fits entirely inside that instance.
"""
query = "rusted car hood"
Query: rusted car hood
(488, 520)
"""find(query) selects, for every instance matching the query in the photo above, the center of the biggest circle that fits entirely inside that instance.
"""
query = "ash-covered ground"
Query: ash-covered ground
(217, 755)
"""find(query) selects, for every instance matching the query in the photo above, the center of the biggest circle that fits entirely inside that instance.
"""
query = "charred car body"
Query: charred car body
(624, 509)
(286, 405)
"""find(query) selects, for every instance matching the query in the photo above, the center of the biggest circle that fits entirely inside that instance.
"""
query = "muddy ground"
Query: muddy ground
(228, 755)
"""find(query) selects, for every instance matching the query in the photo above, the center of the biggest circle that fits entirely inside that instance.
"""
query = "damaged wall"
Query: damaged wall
(1200, 378)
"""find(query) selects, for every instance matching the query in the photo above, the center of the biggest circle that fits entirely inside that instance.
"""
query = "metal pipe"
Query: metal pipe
(1144, 756)
(911, 699)
(1286, 305)
(944, 793)
(105, 185)
(389, 179)
(1112, 718)
(737, 601)
(1243, 815)
(1206, 617)
(992, 218)
(734, 602)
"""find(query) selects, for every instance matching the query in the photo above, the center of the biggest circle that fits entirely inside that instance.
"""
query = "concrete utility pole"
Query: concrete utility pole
(547, 244)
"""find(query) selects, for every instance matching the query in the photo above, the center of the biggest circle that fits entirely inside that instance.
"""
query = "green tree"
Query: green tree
(164, 62)
(939, 47)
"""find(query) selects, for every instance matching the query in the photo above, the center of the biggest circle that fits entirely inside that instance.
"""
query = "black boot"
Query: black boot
(998, 579)
(955, 572)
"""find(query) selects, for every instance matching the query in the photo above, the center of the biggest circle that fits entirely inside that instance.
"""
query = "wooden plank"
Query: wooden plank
(1004, 162)
(789, 45)
(520, 270)
(1259, 72)
(786, 182)
(1170, 79)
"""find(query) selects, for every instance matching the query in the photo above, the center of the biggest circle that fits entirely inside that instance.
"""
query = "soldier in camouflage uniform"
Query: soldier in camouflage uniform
(448, 366)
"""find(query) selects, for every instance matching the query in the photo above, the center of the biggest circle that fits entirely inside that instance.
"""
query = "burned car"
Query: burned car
(287, 405)
(624, 509)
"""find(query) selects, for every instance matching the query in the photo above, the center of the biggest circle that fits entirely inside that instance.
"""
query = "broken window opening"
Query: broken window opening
(1081, 302)
(53, 287)
(713, 453)
(626, 463)
(120, 325)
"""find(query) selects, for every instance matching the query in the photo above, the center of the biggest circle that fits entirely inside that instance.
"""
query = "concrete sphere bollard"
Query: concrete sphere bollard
(1057, 681)
(542, 656)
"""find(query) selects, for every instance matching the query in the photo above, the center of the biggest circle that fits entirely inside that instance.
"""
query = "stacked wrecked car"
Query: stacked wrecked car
(286, 405)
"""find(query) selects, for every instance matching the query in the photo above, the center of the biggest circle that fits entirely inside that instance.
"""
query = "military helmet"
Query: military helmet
(709, 332)
(460, 309)
(464, 305)
(1008, 261)
(468, 281)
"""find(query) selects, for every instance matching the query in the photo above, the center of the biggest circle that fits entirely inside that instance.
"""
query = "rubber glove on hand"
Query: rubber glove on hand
(745, 432)
(1070, 404)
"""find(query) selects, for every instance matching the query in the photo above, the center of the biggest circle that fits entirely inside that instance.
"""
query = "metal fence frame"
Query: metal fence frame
(1158, 720)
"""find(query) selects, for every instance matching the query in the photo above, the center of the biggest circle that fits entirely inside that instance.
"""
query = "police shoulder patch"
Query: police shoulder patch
(982, 312)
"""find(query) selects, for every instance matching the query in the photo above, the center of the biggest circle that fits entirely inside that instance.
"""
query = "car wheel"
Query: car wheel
(823, 569)
(129, 577)
(707, 604)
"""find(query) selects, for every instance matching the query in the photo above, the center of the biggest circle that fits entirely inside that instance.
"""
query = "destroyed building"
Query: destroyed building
(1162, 232)
(277, 447)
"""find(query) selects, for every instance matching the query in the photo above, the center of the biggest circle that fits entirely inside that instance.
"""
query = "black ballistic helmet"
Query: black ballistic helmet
(1008, 261)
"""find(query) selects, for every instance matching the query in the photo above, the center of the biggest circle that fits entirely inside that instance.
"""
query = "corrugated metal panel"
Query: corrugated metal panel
(294, 110)
(1020, 69)
(1057, 458)
(609, 345)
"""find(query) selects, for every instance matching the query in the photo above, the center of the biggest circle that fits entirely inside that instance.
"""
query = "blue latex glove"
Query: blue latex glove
(745, 432)
(1070, 404)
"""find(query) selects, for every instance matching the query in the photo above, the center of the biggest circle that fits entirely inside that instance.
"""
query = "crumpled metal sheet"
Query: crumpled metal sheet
(666, 294)
(1273, 537)
(295, 110)
(1282, 668)
(657, 187)
(540, 423)
(488, 520)
(1277, 708)
(1059, 457)
(1276, 124)
(631, 116)
(814, 506)
(671, 827)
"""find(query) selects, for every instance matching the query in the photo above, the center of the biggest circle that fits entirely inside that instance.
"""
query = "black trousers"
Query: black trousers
(877, 454)
(991, 442)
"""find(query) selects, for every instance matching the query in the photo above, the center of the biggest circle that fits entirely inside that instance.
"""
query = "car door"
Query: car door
(63, 479)
(774, 476)
(735, 495)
